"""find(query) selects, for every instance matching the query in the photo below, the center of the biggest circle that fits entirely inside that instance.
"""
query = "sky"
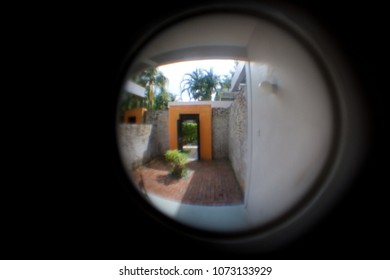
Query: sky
(176, 71)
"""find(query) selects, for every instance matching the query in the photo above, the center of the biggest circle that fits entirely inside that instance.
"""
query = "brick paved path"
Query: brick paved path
(208, 182)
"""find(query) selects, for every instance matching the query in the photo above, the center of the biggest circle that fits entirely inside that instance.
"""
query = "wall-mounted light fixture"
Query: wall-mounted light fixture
(268, 87)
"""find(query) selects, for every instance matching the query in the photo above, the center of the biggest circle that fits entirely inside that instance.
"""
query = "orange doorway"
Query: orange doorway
(188, 131)
(200, 114)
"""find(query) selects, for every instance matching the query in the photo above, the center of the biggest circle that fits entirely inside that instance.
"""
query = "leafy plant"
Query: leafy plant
(162, 100)
(190, 133)
(178, 162)
(129, 101)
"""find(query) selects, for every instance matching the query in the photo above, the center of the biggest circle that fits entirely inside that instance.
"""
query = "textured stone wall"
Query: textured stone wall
(135, 144)
(140, 143)
(238, 131)
(160, 134)
(220, 130)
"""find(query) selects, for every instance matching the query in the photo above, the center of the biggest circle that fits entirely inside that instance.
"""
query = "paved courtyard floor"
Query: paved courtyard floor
(211, 183)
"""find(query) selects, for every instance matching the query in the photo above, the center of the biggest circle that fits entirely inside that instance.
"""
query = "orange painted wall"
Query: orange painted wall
(204, 112)
(138, 113)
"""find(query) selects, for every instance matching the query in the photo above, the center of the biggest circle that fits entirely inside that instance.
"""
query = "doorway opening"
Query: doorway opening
(188, 135)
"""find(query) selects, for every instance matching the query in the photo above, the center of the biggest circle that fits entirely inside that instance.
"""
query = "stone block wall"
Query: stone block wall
(160, 134)
(135, 144)
(238, 134)
(220, 130)
(140, 143)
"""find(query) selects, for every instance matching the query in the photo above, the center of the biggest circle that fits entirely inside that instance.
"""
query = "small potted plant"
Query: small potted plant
(178, 161)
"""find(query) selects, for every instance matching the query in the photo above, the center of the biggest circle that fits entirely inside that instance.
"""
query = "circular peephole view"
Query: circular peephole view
(230, 122)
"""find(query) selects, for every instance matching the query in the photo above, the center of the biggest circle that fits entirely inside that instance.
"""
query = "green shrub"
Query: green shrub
(189, 133)
(178, 162)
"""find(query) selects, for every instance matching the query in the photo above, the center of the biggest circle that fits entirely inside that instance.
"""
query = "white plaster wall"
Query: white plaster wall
(290, 130)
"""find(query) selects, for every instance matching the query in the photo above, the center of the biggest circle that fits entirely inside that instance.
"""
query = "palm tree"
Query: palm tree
(154, 82)
(200, 84)
(192, 84)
